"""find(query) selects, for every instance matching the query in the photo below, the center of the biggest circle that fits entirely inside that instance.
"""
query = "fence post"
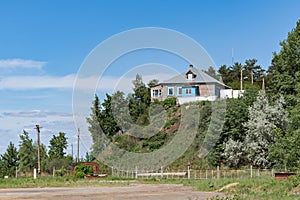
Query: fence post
(161, 171)
(112, 171)
(251, 172)
(53, 171)
(189, 172)
(16, 172)
(272, 172)
(218, 172)
(206, 174)
(34, 173)
(136, 172)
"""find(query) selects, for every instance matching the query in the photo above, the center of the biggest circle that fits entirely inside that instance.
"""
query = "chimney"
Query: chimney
(191, 67)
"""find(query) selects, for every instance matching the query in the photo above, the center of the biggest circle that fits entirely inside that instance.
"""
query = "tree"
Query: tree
(264, 119)
(252, 70)
(58, 145)
(27, 153)
(10, 160)
(234, 153)
(153, 83)
(107, 119)
(94, 126)
(285, 69)
(212, 72)
(231, 75)
(139, 102)
(233, 128)
(121, 111)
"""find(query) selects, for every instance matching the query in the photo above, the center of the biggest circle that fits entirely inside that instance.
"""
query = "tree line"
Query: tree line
(25, 157)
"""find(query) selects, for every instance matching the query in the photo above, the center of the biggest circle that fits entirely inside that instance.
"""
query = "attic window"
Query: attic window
(190, 77)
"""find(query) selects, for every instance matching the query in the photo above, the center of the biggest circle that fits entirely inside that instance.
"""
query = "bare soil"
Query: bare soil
(131, 192)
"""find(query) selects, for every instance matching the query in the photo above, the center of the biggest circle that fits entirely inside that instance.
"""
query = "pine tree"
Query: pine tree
(9, 160)
(95, 128)
(58, 145)
(27, 153)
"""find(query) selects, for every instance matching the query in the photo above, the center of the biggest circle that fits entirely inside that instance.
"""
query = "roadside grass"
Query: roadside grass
(64, 181)
(250, 189)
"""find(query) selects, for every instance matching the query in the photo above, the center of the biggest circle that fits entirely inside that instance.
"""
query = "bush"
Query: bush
(61, 172)
(156, 141)
(170, 122)
(80, 174)
(169, 102)
(83, 170)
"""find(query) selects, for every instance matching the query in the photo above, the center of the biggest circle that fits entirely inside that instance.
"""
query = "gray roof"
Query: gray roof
(201, 77)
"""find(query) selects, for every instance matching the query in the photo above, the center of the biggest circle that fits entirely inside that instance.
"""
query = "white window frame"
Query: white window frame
(188, 91)
(156, 93)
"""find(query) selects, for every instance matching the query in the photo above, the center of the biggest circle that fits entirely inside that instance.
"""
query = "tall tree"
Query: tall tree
(95, 126)
(58, 145)
(107, 122)
(153, 83)
(263, 121)
(212, 72)
(139, 102)
(121, 111)
(10, 160)
(27, 153)
(285, 69)
(252, 70)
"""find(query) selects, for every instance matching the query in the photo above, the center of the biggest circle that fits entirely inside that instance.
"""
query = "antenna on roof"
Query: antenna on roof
(232, 58)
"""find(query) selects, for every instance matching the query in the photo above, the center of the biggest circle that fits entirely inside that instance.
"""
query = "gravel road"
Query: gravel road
(131, 192)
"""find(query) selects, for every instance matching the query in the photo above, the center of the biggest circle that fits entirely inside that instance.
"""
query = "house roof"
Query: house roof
(200, 77)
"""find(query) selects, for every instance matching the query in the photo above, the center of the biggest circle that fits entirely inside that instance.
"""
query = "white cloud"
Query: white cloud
(35, 113)
(17, 62)
(36, 82)
(67, 82)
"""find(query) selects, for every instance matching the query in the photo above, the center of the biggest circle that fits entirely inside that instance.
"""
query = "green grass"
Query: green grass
(65, 181)
(257, 188)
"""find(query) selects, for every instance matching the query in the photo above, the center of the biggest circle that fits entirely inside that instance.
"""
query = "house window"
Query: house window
(156, 93)
(190, 76)
(170, 91)
(188, 91)
(180, 91)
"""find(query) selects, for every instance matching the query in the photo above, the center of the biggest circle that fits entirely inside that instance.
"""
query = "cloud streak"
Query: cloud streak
(21, 63)
(67, 82)
(36, 113)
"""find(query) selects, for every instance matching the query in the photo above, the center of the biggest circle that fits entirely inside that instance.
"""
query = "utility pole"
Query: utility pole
(39, 147)
(241, 77)
(72, 152)
(78, 136)
(263, 83)
(252, 76)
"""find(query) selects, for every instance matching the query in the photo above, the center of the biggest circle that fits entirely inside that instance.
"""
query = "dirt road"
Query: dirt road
(132, 192)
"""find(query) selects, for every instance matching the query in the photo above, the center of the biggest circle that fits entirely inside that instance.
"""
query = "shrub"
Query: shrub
(169, 102)
(170, 122)
(61, 172)
(83, 170)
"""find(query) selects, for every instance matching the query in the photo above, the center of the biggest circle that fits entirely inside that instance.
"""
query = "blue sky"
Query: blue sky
(44, 43)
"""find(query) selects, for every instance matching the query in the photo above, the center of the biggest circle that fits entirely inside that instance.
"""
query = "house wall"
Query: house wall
(207, 89)
(194, 91)
(163, 93)
(202, 90)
